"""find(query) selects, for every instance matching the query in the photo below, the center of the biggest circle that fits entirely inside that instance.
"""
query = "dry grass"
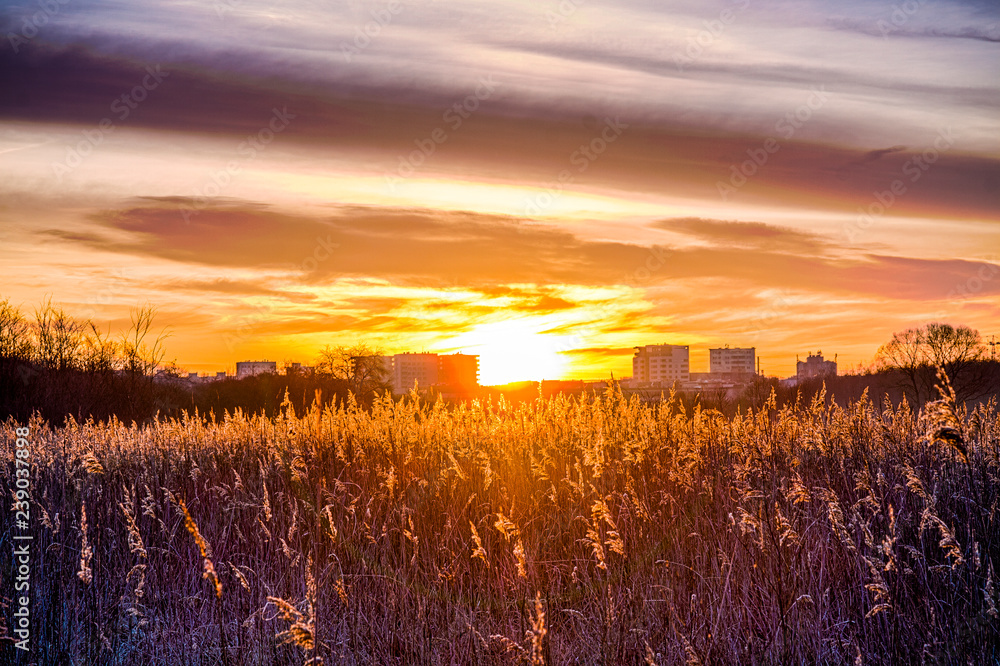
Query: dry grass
(561, 531)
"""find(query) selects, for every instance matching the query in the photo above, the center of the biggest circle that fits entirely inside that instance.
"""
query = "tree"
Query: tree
(59, 339)
(362, 368)
(15, 334)
(904, 354)
(101, 351)
(140, 356)
(916, 353)
(954, 349)
(16, 350)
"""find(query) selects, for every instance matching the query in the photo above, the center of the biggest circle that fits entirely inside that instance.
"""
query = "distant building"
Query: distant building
(699, 380)
(254, 368)
(451, 372)
(195, 378)
(815, 366)
(735, 361)
(660, 364)
(409, 368)
(550, 387)
(459, 371)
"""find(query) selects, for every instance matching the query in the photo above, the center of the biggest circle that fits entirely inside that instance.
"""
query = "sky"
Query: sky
(546, 184)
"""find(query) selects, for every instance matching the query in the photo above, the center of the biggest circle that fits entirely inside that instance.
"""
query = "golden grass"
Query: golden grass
(601, 531)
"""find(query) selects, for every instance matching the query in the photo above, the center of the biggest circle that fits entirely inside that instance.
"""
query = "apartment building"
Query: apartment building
(661, 364)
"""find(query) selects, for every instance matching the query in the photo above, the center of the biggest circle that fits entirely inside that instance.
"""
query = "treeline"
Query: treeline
(978, 383)
(266, 394)
(58, 365)
(340, 374)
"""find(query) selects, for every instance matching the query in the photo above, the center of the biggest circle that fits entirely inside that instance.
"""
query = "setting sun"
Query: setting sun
(513, 350)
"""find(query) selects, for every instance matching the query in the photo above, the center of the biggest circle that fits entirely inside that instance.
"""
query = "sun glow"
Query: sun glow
(513, 350)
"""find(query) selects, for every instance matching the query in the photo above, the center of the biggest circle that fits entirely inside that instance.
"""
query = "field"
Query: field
(559, 531)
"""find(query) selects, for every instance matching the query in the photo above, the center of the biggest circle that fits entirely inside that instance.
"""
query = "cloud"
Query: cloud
(897, 25)
(548, 303)
(603, 352)
(422, 247)
(229, 236)
(685, 147)
(232, 287)
(746, 234)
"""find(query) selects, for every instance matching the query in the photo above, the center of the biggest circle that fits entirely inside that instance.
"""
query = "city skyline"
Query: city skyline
(540, 184)
(725, 361)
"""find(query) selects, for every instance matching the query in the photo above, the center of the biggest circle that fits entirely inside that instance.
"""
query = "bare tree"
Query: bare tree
(59, 342)
(15, 333)
(100, 351)
(904, 353)
(140, 356)
(953, 349)
(917, 352)
(362, 368)
(138, 359)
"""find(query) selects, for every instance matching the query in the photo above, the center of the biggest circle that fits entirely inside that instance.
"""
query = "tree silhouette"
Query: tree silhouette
(916, 353)
(361, 367)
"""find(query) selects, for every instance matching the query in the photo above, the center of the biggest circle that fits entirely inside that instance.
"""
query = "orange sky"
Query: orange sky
(544, 189)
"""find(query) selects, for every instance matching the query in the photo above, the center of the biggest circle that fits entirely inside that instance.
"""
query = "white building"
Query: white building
(254, 368)
(661, 364)
(409, 368)
(738, 360)
(815, 366)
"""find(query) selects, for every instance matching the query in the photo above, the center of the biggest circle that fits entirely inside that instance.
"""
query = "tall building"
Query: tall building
(735, 361)
(460, 371)
(409, 368)
(253, 368)
(815, 366)
(661, 364)
(455, 372)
